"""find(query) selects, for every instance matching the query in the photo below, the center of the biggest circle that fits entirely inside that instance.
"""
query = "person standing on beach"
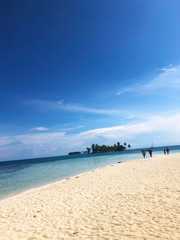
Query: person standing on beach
(167, 150)
(164, 151)
(143, 153)
(150, 152)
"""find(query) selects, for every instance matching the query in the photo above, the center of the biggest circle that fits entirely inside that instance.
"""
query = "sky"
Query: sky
(74, 73)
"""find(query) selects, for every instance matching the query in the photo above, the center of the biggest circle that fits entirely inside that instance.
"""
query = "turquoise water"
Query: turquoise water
(17, 176)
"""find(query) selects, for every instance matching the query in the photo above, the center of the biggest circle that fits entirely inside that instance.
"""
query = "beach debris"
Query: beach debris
(119, 162)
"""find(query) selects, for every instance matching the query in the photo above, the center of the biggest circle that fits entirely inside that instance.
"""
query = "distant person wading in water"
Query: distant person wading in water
(143, 153)
(167, 150)
(150, 152)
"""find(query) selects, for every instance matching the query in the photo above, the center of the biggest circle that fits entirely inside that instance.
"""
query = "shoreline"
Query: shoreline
(33, 189)
(137, 199)
(14, 195)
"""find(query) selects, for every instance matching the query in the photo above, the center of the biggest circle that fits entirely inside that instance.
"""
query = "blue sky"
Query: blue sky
(75, 73)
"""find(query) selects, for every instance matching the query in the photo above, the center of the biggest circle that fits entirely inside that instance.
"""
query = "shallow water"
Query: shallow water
(17, 176)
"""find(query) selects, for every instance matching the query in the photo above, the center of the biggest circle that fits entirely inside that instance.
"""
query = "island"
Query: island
(95, 148)
(73, 153)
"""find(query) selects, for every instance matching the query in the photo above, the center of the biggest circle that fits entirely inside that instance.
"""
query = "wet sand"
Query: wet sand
(139, 199)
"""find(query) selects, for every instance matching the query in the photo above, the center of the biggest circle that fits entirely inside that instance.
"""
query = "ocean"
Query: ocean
(19, 175)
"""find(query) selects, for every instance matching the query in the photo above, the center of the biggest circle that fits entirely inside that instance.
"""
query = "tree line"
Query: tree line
(95, 148)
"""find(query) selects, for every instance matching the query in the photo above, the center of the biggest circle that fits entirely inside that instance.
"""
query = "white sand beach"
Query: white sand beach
(139, 199)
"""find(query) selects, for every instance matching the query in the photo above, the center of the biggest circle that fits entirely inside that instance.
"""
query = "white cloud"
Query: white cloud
(59, 105)
(154, 125)
(162, 130)
(130, 116)
(168, 79)
(39, 138)
(5, 141)
(124, 90)
(168, 69)
(70, 129)
(40, 129)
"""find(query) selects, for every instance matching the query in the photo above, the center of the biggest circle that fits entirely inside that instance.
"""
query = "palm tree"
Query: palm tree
(88, 150)
(93, 148)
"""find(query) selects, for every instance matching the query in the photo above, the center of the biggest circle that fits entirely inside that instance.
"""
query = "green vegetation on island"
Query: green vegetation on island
(95, 148)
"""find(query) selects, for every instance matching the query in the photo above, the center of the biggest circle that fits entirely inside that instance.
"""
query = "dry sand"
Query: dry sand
(139, 199)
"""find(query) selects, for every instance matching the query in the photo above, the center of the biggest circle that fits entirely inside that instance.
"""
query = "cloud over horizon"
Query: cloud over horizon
(160, 128)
